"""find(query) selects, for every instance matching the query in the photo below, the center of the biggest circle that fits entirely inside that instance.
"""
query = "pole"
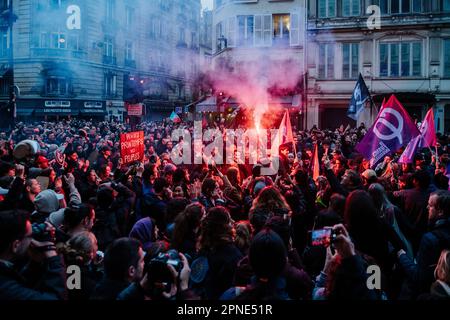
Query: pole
(11, 20)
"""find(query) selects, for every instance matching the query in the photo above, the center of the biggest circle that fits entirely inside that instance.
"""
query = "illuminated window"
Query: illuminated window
(281, 27)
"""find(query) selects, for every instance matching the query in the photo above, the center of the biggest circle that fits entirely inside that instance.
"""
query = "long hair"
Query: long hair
(364, 226)
(442, 271)
(270, 198)
(268, 258)
(186, 223)
(234, 176)
(216, 229)
(78, 250)
(243, 237)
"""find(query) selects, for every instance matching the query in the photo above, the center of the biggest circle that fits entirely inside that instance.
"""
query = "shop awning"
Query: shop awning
(56, 112)
(24, 112)
(93, 112)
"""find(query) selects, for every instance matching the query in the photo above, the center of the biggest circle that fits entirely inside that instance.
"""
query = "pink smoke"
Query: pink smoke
(253, 82)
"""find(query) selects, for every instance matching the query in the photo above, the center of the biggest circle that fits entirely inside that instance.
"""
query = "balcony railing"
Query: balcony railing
(130, 63)
(182, 44)
(386, 21)
(109, 60)
(60, 53)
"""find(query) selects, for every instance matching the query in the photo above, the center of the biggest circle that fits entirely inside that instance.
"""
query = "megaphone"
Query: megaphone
(26, 149)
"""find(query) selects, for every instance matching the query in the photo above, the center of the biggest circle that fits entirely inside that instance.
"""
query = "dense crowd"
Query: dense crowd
(155, 230)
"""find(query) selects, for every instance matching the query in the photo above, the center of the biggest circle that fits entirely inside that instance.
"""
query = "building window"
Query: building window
(129, 50)
(73, 43)
(155, 28)
(110, 10)
(326, 61)
(58, 40)
(245, 30)
(263, 30)
(401, 59)
(182, 35)
(109, 47)
(351, 8)
(57, 86)
(4, 87)
(447, 58)
(193, 40)
(129, 17)
(56, 4)
(220, 35)
(45, 40)
(281, 26)
(4, 4)
(231, 32)
(110, 85)
(4, 43)
(350, 53)
(446, 5)
(417, 6)
(327, 8)
(399, 6)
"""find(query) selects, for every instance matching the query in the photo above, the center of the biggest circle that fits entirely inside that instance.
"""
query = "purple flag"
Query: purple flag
(427, 138)
(408, 155)
(392, 130)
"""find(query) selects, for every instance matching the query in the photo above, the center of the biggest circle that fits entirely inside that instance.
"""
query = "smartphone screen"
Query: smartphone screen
(321, 237)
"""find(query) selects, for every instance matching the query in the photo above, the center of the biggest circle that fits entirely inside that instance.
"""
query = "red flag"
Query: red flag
(315, 163)
(286, 135)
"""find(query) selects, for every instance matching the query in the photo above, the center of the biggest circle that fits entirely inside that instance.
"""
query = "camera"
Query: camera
(170, 257)
(159, 275)
(41, 234)
(323, 237)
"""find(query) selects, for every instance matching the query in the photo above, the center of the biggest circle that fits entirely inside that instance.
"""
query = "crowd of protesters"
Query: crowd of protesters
(154, 230)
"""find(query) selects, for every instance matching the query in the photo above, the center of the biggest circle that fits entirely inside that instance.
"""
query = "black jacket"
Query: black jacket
(351, 281)
(223, 263)
(413, 203)
(421, 274)
(16, 285)
(109, 289)
(111, 223)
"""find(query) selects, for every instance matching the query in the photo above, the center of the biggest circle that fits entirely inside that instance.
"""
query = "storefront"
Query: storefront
(49, 109)
(93, 110)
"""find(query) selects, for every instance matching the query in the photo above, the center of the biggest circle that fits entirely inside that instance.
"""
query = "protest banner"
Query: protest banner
(132, 147)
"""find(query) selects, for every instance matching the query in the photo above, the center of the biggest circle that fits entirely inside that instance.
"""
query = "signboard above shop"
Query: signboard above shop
(134, 109)
(55, 107)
